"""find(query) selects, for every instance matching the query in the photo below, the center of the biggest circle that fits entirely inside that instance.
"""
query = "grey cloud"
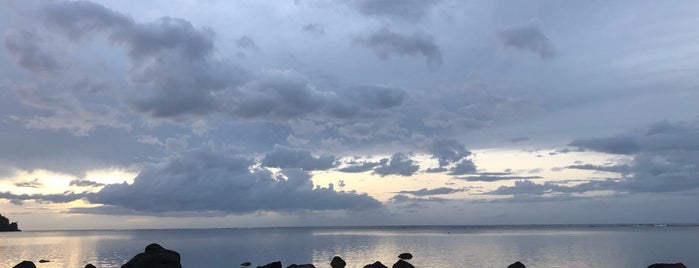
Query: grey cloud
(624, 144)
(80, 18)
(400, 198)
(65, 197)
(30, 184)
(491, 178)
(284, 157)
(435, 191)
(24, 47)
(356, 167)
(622, 169)
(84, 183)
(466, 166)
(407, 10)
(314, 29)
(399, 164)
(245, 42)
(448, 151)
(206, 180)
(529, 188)
(527, 37)
(519, 139)
(385, 43)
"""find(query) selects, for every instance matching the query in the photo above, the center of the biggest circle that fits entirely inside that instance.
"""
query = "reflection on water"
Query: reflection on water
(616, 246)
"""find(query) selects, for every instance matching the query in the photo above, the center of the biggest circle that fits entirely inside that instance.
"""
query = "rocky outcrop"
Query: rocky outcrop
(337, 262)
(405, 256)
(155, 256)
(667, 265)
(516, 265)
(402, 264)
(7, 226)
(25, 264)
(376, 264)
(89, 265)
(276, 264)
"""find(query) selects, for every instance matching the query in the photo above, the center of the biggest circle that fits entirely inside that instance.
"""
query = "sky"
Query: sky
(201, 114)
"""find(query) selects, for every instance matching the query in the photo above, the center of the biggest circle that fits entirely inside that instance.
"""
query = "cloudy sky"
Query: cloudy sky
(133, 114)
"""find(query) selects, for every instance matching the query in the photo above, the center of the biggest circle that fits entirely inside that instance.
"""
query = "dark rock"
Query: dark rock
(155, 256)
(402, 264)
(25, 264)
(246, 264)
(6, 226)
(89, 265)
(337, 262)
(667, 265)
(276, 264)
(44, 261)
(301, 266)
(377, 264)
(517, 265)
(405, 256)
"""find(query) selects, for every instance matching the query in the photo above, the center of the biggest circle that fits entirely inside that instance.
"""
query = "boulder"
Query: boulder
(402, 264)
(667, 265)
(155, 256)
(276, 264)
(376, 264)
(405, 256)
(337, 262)
(25, 264)
(516, 265)
(246, 264)
(89, 265)
(301, 266)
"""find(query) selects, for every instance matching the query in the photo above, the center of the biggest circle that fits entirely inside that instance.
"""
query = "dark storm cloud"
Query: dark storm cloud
(448, 151)
(284, 157)
(30, 184)
(527, 37)
(24, 47)
(399, 164)
(314, 29)
(435, 191)
(408, 10)
(385, 43)
(207, 180)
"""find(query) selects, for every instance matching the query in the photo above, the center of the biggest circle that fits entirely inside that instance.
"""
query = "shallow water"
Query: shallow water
(440, 246)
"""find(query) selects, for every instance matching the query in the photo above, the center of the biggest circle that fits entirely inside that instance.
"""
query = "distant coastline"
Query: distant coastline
(7, 226)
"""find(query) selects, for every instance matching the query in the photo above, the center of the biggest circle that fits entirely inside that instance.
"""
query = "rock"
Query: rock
(25, 264)
(402, 264)
(377, 264)
(44, 261)
(155, 256)
(6, 225)
(667, 265)
(89, 265)
(337, 262)
(276, 264)
(405, 256)
(246, 264)
(301, 266)
(517, 265)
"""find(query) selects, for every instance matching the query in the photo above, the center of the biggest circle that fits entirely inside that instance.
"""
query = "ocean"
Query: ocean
(570, 246)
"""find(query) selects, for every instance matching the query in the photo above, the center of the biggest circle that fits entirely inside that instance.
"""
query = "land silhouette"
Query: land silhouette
(7, 226)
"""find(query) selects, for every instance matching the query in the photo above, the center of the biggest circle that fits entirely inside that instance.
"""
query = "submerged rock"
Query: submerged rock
(301, 266)
(402, 264)
(337, 262)
(155, 256)
(276, 264)
(376, 264)
(246, 264)
(405, 256)
(516, 265)
(89, 265)
(43, 261)
(25, 264)
(667, 265)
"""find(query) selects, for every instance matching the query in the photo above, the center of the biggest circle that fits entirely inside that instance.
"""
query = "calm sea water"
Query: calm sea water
(444, 246)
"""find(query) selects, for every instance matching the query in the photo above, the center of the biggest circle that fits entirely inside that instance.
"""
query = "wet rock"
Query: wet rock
(25, 264)
(337, 262)
(376, 264)
(402, 264)
(155, 256)
(246, 264)
(517, 265)
(276, 264)
(43, 261)
(89, 265)
(301, 266)
(405, 256)
(667, 265)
